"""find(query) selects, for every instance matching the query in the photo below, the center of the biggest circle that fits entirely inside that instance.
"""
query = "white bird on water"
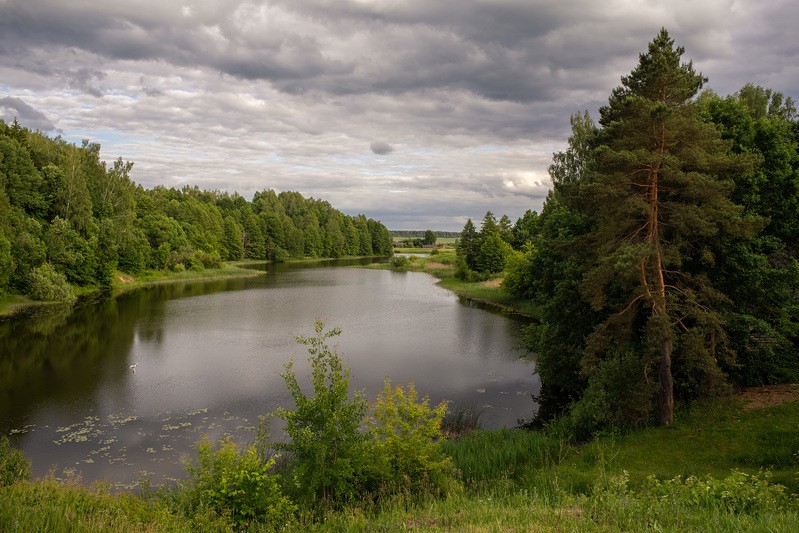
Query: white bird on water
(133, 367)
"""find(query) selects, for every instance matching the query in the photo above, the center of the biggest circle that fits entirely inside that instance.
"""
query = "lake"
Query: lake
(208, 358)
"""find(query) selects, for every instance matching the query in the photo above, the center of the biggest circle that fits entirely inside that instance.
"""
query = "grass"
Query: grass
(403, 250)
(124, 282)
(518, 480)
(11, 303)
(460, 421)
(490, 293)
(48, 505)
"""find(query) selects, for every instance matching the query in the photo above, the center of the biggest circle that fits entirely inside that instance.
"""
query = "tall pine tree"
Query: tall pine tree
(661, 195)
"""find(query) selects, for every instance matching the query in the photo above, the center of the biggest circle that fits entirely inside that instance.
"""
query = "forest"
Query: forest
(664, 260)
(68, 220)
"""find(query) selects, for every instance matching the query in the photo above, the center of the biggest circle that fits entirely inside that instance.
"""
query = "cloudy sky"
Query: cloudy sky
(419, 113)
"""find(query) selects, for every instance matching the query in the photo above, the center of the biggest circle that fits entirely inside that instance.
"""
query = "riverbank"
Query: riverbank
(442, 266)
(719, 467)
(13, 303)
(123, 282)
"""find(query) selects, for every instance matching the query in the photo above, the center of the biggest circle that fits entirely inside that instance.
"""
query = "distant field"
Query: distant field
(439, 240)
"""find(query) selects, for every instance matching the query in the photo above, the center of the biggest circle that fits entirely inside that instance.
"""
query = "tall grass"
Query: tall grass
(460, 421)
(49, 505)
(486, 456)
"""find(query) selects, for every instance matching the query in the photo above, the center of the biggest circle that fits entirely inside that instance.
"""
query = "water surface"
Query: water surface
(208, 358)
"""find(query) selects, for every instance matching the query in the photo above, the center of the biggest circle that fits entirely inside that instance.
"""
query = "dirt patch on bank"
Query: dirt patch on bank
(492, 283)
(769, 395)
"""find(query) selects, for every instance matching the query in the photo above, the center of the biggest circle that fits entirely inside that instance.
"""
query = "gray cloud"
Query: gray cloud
(15, 108)
(248, 94)
(82, 79)
(381, 148)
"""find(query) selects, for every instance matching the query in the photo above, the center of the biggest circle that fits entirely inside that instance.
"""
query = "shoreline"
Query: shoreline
(488, 293)
(122, 282)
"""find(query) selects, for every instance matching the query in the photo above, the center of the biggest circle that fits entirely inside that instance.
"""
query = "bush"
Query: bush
(738, 493)
(49, 286)
(235, 482)
(400, 263)
(194, 263)
(709, 500)
(328, 456)
(407, 435)
(330, 459)
(519, 274)
(13, 465)
(447, 258)
(210, 259)
(5, 260)
(619, 397)
(464, 273)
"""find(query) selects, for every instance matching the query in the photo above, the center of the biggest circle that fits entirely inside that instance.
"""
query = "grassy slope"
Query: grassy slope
(514, 480)
(121, 282)
(124, 282)
(526, 481)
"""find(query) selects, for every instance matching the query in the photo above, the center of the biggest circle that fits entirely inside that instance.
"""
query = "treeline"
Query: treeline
(67, 219)
(421, 233)
(496, 247)
(665, 258)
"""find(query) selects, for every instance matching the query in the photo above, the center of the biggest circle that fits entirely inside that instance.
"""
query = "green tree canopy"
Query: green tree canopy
(661, 194)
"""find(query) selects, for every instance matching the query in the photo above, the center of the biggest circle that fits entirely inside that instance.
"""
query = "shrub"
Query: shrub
(194, 262)
(519, 274)
(711, 500)
(5, 260)
(328, 456)
(210, 259)
(619, 397)
(50, 286)
(332, 461)
(407, 434)
(738, 493)
(235, 482)
(400, 263)
(13, 465)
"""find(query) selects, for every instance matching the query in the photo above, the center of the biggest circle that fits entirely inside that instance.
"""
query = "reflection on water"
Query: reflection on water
(208, 358)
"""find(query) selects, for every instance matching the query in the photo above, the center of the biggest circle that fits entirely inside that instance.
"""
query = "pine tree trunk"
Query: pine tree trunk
(666, 392)
(665, 380)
